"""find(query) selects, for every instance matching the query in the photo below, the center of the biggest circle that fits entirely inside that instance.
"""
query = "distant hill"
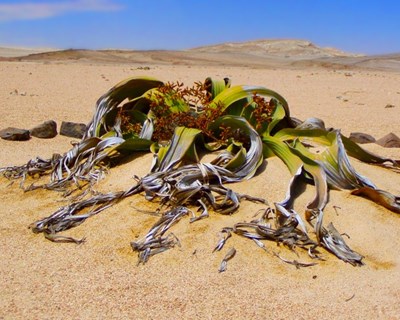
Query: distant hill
(19, 52)
(277, 48)
(293, 54)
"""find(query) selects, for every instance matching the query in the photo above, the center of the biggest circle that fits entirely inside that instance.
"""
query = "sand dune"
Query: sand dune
(100, 278)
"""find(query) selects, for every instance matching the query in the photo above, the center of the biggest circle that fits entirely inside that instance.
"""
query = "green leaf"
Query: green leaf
(253, 154)
(340, 172)
(307, 136)
(241, 107)
(278, 115)
(109, 134)
(181, 147)
(131, 88)
(137, 116)
(283, 152)
(320, 137)
(134, 144)
(231, 95)
(238, 159)
(355, 151)
(215, 87)
(175, 103)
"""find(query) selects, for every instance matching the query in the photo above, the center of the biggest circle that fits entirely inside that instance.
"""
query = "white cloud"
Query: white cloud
(41, 10)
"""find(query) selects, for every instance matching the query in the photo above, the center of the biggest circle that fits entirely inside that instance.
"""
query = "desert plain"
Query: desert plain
(100, 279)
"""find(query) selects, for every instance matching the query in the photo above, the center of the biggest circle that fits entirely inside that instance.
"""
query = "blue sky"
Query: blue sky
(367, 26)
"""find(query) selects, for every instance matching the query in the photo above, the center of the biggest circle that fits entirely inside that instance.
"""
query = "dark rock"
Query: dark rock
(15, 134)
(390, 106)
(46, 130)
(344, 99)
(389, 141)
(72, 129)
(361, 138)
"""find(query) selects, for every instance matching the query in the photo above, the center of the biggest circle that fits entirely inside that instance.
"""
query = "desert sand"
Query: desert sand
(100, 279)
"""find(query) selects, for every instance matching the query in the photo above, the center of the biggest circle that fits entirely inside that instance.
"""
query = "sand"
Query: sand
(100, 279)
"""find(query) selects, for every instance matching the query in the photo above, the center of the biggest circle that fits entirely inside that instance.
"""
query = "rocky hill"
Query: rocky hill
(277, 48)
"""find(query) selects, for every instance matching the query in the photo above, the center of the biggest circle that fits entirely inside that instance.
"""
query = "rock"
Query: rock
(361, 138)
(46, 130)
(72, 129)
(17, 93)
(389, 141)
(15, 134)
(390, 106)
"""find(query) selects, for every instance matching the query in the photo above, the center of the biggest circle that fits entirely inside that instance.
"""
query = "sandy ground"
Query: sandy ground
(100, 279)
